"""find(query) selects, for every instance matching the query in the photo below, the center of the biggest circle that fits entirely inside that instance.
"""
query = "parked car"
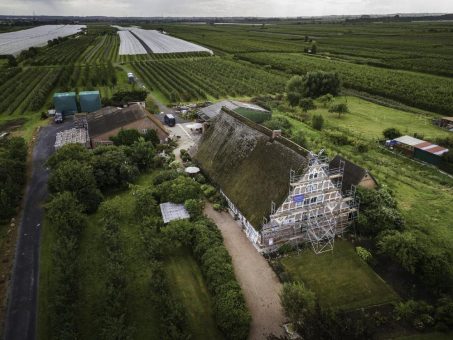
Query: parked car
(58, 118)
(170, 120)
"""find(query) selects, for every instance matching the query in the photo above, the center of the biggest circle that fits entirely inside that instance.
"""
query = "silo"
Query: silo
(65, 102)
(90, 101)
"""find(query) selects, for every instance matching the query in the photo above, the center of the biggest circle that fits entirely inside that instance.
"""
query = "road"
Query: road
(20, 323)
(258, 281)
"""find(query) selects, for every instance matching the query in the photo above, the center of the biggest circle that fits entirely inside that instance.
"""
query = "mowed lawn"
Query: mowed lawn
(340, 278)
(371, 119)
(188, 285)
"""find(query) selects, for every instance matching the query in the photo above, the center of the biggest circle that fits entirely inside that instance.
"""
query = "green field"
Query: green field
(369, 120)
(183, 273)
(340, 278)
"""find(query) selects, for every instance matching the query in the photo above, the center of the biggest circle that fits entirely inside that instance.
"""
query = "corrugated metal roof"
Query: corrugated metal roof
(422, 145)
(408, 140)
(172, 212)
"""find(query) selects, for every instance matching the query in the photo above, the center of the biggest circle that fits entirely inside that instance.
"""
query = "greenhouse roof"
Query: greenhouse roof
(172, 212)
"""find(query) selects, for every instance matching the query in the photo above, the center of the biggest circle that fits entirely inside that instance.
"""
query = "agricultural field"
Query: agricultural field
(156, 42)
(202, 78)
(15, 42)
(420, 90)
(129, 45)
(415, 46)
(330, 275)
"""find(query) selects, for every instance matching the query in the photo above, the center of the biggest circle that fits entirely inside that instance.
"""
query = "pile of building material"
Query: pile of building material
(72, 136)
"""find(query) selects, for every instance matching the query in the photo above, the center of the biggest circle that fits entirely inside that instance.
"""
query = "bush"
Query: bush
(326, 99)
(391, 133)
(364, 254)
(126, 137)
(278, 123)
(320, 83)
(317, 122)
(13, 155)
(299, 138)
(179, 190)
(307, 104)
(194, 207)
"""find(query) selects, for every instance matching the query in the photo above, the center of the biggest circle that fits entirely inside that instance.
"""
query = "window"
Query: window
(313, 200)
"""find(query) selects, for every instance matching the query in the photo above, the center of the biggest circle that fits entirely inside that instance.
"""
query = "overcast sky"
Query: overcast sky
(280, 8)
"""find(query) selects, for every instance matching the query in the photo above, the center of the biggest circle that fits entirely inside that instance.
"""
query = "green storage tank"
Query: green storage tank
(65, 102)
(258, 116)
(90, 101)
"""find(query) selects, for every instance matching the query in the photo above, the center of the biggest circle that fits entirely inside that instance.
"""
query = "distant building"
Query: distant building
(65, 103)
(250, 111)
(89, 101)
(354, 175)
(420, 149)
(108, 121)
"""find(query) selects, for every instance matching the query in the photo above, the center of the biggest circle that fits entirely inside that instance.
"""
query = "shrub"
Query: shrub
(299, 138)
(318, 122)
(194, 207)
(179, 190)
(364, 254)
(307, 104)
(326, 100)
(391, 133)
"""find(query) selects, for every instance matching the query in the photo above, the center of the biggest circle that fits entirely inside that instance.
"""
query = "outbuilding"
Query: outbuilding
(108, 121)
(65, 103)
(420, 149)
(90, 101)
(251, 111)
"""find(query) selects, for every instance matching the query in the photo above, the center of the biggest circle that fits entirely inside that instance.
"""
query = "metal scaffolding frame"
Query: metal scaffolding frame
(315, 209)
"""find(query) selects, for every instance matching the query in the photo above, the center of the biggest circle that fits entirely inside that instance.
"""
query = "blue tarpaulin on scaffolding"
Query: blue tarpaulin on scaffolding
(298, 198)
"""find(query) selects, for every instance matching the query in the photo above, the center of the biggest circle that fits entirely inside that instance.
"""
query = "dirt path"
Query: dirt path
(259, 283)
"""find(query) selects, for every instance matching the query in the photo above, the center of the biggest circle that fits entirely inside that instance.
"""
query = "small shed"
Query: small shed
(173, 212)
(65, 103)
(90, 101)
(420, 149)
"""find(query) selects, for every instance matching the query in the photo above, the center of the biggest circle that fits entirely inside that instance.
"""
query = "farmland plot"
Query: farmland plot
(129, 44)
(161, 43)
(15, 42)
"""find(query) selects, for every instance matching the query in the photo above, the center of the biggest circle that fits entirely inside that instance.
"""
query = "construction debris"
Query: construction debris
(72, 136)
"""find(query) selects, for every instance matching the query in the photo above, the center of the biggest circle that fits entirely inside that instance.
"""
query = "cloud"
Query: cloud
(221, 7)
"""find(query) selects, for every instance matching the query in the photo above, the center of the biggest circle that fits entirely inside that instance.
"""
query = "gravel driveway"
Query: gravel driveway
(259, 283)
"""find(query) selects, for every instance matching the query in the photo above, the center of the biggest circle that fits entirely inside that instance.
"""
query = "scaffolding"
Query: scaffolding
(315, 209)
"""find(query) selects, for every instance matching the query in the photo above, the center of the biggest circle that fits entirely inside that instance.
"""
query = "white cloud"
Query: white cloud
(221, 7)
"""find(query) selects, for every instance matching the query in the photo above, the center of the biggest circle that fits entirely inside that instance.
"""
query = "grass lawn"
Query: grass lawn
(184, 275)
(423, 194)
(371, 119)
(187, 283)
(339, 278)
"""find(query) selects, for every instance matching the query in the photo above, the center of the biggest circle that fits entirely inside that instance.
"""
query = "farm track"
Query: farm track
(258, 282)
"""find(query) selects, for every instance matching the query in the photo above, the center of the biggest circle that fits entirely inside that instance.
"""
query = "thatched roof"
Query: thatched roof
(110, 118)
(249, 166)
